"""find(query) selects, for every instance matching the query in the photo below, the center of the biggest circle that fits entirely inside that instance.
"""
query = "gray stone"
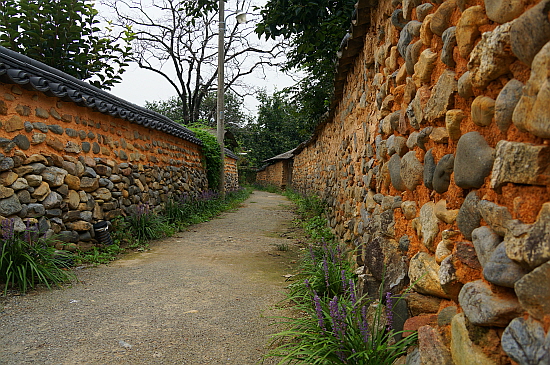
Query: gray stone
(35, 210)
(442, 17)
(68, 236)
(467, 29)
(533, 291)
(22, 142)
(54, 176)
(95, 148)
(6, 163)
(36, 168)
(446, 315)
(429, 227)
(500, 270)
(52, 201)
(483, 110)
(33, 180)
(473, 161)
(502, 11)
(404, 242)
(469, 217)
(531, 112)
(71, 132)
(42, 127)
(441, 96)
(19, 184)
(424, 273)
(423, 10)
(28, 126)
(24, 196)
(89, 184)
(442, 173)
(85, 147)
(429, 169)
(495, 215)
(506, 103)
(57, 129)
(520, 163)
(411, 171)
(525, 342)
(432, 347)
(411, 30)
(394, 165)
(465, 86)
(50, 213)
(449, 43)
(90, 172)
(10, 206)
(483, 307)
(522, 28)
(413, 357)
(491, 57)
(485, 241)
(397, 19)
(38, 138)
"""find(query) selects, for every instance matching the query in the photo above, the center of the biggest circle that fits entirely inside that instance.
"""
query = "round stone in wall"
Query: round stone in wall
(473, 161)
(412, 170)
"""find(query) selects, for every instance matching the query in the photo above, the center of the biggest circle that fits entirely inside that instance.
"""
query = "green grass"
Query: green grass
(331, 323)
(28, 259)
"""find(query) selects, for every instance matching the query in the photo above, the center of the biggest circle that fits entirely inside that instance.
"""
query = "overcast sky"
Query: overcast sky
(140, 85)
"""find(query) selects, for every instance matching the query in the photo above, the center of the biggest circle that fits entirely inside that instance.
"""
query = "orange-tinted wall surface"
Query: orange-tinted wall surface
(436, 169)
(67, 166)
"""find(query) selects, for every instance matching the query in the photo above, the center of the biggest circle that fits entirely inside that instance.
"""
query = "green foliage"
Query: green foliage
(275, 130)
(212, 158)
(65, 34)
(342, 329)
(315, 30)
(100, 255)
(144, 224)
(173, 109)
(27, 259)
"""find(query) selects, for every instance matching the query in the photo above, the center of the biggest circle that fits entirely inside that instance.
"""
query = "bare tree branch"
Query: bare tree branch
(182, 48)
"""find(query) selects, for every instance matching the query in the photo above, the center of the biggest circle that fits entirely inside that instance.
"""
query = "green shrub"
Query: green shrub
(212, 158)
(144, 224)
(27, 259)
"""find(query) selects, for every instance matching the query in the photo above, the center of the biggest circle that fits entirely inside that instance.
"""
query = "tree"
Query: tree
(65, 34)
(275, 130)
(180, 37)
(173, 109)
(314, 30)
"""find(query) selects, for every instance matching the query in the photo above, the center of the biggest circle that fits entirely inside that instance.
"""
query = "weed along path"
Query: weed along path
(204, 296)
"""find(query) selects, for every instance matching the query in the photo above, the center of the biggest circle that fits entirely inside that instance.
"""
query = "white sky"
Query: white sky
(140, 85)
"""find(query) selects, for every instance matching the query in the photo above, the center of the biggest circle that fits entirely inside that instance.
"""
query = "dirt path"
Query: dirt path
(201, 297)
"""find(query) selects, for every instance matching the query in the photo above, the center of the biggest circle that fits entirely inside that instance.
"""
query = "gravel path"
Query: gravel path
(201, 297)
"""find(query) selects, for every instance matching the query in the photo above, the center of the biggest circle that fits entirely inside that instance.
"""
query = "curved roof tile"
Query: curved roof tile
(16, 68)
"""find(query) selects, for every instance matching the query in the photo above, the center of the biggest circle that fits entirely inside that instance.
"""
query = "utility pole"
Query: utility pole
(220, 103)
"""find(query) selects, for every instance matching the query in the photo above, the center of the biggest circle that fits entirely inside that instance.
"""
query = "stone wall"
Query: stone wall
(271, 175)
(67, 164)
(436, 165)
(231, 172)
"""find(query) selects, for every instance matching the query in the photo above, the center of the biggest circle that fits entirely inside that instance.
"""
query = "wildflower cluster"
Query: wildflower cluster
(338, 327)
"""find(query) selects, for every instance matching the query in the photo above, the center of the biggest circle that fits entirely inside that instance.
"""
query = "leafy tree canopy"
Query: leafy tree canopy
(173, 109)
(65, 34)
(275, 130)
(314, 30)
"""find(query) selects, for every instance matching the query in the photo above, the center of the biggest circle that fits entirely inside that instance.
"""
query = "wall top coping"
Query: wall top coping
(30, 74)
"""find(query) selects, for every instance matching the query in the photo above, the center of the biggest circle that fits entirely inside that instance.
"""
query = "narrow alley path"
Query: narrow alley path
(200, 297)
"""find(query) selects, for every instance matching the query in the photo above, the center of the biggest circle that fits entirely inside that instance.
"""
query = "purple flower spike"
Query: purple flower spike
(319, 312)
(389, 313)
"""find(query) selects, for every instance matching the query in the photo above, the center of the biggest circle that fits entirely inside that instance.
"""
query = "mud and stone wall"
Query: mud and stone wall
(231, 173)
(436, 168)
(271, 175)
(66, 166)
